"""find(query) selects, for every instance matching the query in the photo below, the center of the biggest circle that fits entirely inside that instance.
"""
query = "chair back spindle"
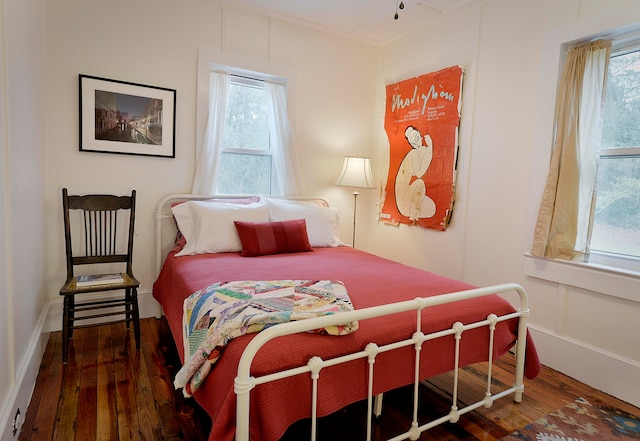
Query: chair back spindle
(101, 228)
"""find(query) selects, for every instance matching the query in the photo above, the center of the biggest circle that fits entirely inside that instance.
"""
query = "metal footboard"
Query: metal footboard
(244, 382)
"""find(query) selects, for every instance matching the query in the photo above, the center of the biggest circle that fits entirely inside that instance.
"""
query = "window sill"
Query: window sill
(599, 278)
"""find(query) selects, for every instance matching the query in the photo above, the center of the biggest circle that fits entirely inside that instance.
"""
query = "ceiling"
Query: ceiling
(369, 21)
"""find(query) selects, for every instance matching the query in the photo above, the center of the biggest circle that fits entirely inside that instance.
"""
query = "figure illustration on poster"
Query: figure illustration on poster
(411, 197)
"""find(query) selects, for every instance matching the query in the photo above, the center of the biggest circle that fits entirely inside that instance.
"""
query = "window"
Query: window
(615, 236)
(246, 165)
(578, 184)
(247, 145)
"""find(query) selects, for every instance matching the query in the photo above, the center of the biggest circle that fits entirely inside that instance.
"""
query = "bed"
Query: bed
(420, 335)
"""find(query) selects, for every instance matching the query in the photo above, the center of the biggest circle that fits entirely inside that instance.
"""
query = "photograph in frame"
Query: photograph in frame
(126, 118)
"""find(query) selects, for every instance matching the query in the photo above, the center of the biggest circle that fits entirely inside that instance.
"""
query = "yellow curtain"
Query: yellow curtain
(562, 228)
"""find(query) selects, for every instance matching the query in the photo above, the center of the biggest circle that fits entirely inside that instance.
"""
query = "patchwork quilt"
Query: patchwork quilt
(215, 315)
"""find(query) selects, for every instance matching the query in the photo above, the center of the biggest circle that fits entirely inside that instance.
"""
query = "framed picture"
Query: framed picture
(126, 118)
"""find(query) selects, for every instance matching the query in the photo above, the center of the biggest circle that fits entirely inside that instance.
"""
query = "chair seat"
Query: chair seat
(70, 287)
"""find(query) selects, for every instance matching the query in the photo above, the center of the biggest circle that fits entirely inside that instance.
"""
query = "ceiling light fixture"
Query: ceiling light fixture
(398, 6)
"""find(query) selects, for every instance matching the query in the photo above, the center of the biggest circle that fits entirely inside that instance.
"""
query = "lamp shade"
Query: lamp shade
(356, 172)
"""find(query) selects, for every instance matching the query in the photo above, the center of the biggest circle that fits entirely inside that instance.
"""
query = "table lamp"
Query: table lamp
(356, 172)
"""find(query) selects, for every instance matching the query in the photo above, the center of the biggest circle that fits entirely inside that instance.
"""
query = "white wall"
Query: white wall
(6, 373)
(447, 42)
(158, 43)
(510, 51)
(585, 324)
(22, 156)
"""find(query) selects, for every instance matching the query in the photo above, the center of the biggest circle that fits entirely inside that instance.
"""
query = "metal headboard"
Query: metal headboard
(165, 228)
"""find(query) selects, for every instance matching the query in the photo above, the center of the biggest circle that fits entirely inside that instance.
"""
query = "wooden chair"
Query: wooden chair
(102, 219)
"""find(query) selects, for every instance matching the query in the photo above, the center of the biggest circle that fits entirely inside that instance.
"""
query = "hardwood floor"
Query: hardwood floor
(110, 391)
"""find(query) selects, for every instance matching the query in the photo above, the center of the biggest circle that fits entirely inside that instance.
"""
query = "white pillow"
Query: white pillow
(209, 228)
(323, 223)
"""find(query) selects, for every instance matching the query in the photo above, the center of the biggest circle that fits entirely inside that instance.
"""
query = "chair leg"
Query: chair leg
(71, 316)
(65, 329)
(127, 298)
(136, 316)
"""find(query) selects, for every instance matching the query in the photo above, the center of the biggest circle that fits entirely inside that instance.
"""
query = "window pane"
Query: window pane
(244, 174)
(246, 123)
(621, 118)
(616, 226)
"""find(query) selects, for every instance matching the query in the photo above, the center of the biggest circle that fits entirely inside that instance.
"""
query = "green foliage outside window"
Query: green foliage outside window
(246, 123)
(617, 214)
(246, 166)
(245, 174)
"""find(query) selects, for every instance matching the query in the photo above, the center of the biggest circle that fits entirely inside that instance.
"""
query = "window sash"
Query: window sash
(247, 187)
(602, 251)
(253, 83)
(257, 83)
(612, 152)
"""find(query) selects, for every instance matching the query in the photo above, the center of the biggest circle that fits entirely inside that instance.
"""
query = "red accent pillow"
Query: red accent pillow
(262, 238)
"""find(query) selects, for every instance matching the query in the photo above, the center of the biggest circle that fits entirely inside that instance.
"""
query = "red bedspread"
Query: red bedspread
(370, 281)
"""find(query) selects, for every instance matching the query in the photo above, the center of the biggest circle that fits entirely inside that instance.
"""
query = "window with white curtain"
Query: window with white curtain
(615, 238)
(247, 147)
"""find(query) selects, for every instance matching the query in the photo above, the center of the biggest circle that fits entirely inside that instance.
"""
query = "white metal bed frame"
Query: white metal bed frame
(166, 231)
(245, 382)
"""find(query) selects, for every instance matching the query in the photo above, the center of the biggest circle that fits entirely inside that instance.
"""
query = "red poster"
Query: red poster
(422, 120)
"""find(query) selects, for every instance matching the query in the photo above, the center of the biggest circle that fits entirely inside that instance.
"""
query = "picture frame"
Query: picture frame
(126, 118)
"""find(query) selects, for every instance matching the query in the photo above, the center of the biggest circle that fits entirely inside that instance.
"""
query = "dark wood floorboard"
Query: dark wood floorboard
(109, 391)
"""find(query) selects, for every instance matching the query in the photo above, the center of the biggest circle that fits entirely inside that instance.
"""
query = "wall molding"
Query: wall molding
(25, 381)
(604, 280)
(603, 370)
(147, 304)
(27, 373)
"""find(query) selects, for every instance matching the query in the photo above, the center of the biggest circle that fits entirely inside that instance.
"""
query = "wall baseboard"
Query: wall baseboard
(27, 373)
(605, 371)
(147, 304)
(25, 381)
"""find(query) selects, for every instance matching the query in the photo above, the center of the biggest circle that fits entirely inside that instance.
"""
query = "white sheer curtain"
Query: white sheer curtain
(208, 158)
(288, 179)
(563, 226)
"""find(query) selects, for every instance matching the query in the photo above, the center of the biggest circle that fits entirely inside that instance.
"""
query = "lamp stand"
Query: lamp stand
(355, 204)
